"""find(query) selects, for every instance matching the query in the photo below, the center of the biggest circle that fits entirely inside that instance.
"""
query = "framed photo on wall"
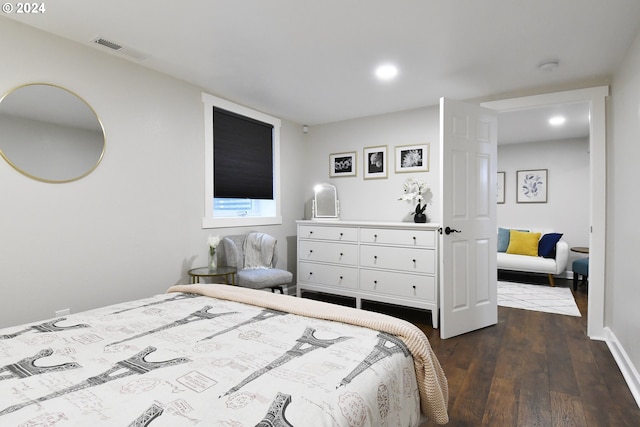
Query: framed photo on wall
(501, 189)
(342, 164)
(531, 186)
(375, 162)
(412, 158)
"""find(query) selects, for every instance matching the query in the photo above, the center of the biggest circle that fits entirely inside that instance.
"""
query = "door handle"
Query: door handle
(449, 230)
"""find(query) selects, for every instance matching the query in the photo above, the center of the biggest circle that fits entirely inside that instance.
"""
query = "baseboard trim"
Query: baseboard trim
(629, 371)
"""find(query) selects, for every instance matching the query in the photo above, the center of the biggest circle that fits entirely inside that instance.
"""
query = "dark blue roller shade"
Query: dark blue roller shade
(242, 156)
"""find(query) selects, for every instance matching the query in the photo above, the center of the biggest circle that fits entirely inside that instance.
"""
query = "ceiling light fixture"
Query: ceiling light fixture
(386, 72)
(557, 120)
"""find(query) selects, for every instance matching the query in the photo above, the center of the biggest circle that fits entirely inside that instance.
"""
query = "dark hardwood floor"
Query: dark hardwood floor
(531, 369)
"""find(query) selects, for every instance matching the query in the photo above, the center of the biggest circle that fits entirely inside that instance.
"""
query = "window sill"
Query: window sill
(240, 222)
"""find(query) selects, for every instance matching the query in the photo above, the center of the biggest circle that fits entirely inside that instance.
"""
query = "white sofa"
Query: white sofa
(536, 264)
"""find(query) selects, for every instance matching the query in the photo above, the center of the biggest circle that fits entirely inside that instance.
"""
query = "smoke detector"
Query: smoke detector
(549, 66)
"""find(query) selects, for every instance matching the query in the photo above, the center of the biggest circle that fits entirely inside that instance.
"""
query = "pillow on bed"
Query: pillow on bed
(523, 243)
(547, 245)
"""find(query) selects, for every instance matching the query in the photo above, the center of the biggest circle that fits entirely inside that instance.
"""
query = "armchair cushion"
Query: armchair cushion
(259, 278)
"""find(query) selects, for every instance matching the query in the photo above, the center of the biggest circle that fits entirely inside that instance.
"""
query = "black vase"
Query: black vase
(419, 218)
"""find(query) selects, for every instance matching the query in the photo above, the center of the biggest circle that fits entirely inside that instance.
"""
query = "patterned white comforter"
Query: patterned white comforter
(182, 359)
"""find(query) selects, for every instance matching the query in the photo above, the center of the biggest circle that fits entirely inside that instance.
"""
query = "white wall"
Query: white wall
(567, 207)
(622, 287)
(375, 199)
(132, 227)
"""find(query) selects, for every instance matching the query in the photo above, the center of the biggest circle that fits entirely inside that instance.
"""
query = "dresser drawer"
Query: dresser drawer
(337, 253)
(418, 238)
(330, 275)
(410, 260)
(398, 284)
(340, 234)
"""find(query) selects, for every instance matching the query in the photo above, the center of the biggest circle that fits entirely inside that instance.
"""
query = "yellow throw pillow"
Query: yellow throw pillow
(523, 243)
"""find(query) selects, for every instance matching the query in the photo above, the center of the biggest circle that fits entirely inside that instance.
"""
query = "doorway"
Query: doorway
(596, 98)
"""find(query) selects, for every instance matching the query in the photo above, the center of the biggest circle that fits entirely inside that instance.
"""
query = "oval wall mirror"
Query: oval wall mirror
(49, 133)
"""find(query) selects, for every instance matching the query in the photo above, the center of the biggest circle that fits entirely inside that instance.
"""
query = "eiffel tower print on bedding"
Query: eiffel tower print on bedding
(184, 358)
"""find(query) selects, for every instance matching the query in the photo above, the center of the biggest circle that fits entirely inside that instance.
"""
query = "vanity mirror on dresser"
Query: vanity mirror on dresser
(394, 263)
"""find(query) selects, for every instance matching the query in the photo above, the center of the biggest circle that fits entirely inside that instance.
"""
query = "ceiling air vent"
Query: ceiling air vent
(107, 43)
(119, 48)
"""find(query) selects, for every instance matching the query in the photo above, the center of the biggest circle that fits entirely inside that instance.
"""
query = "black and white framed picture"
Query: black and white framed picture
(375, 162)
(532, 186)
(342, 164)
(500, 187)
(412, 158)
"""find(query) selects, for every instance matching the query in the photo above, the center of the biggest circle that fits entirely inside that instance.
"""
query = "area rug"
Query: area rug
(538, 298)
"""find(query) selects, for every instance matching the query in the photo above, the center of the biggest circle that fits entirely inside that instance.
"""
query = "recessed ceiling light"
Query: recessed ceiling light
(557, 120)
(386, 72)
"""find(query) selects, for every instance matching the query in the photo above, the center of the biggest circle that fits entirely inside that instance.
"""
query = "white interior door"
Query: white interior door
(468, 275)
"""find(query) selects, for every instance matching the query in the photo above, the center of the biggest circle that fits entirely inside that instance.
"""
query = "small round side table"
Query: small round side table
(580, 249)
(196, 273)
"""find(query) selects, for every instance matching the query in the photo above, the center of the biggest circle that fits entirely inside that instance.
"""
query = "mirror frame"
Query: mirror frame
(30, 174)
(328, 216)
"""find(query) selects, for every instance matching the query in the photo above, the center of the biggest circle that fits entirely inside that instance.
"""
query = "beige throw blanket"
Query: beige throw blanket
(432, 383)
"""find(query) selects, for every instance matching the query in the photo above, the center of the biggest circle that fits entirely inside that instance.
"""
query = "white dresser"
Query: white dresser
(395, 263)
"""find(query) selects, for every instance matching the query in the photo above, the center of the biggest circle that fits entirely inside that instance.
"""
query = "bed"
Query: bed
(218, 355)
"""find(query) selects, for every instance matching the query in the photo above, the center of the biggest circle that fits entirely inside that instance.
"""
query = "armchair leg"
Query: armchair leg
(551, 281)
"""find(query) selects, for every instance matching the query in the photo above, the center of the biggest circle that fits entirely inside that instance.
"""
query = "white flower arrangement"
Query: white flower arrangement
(413, 192)
(213, 241)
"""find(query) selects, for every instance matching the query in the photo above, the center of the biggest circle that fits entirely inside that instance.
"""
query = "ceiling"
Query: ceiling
(311, 62)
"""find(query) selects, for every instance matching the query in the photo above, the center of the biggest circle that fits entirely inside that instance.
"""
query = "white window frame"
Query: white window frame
(209, 221)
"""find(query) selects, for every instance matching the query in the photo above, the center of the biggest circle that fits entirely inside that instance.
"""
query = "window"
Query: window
(242, 174)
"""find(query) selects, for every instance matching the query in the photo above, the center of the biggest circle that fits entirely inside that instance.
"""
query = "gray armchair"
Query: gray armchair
(255, 256)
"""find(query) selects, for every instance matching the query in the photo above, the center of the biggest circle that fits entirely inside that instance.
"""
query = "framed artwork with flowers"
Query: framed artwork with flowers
(375, 162)
(342, 164)
(412, 158)
(531, 186)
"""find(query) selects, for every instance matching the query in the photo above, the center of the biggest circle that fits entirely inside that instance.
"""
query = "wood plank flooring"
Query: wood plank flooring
(531, 369)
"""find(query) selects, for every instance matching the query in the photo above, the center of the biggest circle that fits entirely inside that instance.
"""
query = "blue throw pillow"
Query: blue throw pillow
(503, 239)
(547, 245)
